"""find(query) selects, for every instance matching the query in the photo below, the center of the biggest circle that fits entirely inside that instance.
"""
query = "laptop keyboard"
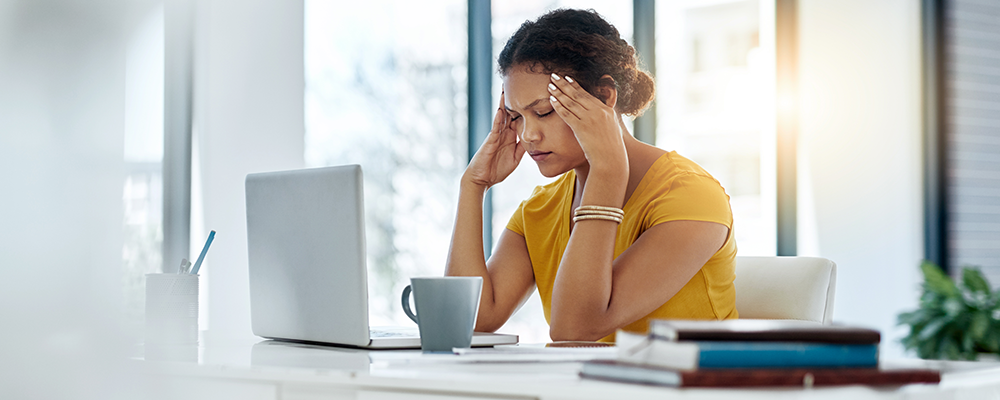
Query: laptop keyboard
(384, 333)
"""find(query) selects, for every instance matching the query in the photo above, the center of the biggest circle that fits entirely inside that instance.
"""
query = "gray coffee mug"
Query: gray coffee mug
(446, 310)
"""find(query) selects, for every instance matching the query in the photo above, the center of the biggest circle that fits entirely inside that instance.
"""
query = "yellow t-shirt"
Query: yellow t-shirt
(673, 189)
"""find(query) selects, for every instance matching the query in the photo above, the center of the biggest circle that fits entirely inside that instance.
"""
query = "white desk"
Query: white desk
(284, 371)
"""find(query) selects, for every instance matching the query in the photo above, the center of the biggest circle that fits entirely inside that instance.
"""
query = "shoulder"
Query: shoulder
(680, 189)
(672, 167)
(673, 172)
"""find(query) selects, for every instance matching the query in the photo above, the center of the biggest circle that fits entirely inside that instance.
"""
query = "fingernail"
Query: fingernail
(555, 77)
(552, 99)
(568, 79)
(552, 87)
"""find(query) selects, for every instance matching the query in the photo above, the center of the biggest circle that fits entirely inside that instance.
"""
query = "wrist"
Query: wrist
(610, 170)
(469, 184)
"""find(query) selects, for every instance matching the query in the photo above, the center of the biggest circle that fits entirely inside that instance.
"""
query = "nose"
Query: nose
(530, 132)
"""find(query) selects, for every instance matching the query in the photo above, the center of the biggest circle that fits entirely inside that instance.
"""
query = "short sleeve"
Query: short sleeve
(516, 222)
(692, 197)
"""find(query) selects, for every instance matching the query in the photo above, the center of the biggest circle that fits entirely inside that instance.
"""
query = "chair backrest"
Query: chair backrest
(785, 288)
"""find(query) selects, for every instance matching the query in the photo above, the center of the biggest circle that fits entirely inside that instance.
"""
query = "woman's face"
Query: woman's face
(544, 135)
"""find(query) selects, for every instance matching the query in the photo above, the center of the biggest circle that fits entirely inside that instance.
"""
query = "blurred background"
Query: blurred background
(863, 132)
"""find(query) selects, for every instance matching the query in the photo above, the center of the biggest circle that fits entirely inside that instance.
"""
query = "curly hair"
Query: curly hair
(581, 44)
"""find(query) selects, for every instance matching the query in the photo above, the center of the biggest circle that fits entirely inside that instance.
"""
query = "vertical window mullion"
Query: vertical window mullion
(644, 34)
(177, 80)
(935, 211)
(786, 48)
(480, 83)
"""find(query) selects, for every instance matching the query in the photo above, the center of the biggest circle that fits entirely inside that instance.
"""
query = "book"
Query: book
(619, 371)
(747, 330)
(691, 355)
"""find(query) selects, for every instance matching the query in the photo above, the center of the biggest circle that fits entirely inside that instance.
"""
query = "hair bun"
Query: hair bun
(642, 91)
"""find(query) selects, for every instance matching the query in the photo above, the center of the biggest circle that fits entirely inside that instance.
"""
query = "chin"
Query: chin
(550, 172)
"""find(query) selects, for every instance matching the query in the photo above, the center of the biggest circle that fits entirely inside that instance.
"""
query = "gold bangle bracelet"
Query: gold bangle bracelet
(601, 208)
(595, 212)
(596, 217)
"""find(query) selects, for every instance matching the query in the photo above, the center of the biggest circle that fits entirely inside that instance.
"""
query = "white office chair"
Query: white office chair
(785, 288)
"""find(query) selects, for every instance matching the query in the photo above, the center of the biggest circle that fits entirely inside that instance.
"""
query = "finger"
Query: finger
(499, 120)
(519, 151)
(564, 113)
(510, 143)
(567, 101)
(581, 95)
(508, 135)
(572, 90)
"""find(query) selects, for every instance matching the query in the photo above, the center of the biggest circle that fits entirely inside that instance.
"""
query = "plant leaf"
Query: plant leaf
(953, 307)
(914, 317)
(991, 342)
(968, 345)
(978, 326)
(928, 349)
(936, 281)
(932, 328)
(973, 279)
(948, 349)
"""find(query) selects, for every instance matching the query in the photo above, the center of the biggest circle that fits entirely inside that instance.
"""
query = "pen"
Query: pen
(204, 250)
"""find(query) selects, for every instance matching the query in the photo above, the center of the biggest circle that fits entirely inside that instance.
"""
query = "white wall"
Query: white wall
(62, 113)
(860, 154)
(248, 117)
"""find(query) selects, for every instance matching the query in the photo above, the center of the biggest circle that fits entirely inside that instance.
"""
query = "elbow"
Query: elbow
(563, 332)
(487, 319)
(487, 326)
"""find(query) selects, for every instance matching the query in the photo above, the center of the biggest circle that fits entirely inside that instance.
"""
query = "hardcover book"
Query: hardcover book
(748, 330)
(690, 355)
(619, 371)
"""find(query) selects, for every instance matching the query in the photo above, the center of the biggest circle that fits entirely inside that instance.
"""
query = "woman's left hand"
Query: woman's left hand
(595, 124)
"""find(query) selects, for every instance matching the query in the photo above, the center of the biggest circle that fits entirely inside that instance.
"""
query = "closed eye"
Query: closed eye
(546, 114)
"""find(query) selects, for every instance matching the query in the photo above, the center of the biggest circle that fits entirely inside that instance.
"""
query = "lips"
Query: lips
(539, 155)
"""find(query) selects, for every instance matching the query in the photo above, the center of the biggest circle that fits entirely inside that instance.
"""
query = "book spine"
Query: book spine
(666, 329)
(784, 355)
(805, 378)
(754, 377)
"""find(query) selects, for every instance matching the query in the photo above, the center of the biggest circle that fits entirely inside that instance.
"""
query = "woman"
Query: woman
(628, 232)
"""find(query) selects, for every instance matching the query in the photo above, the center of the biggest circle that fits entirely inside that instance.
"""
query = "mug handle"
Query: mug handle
(406, 304)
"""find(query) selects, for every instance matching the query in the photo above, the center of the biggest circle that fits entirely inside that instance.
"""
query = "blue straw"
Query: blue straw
(204, 250)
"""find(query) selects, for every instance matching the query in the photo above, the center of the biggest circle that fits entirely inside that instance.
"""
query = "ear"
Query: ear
(607, 90)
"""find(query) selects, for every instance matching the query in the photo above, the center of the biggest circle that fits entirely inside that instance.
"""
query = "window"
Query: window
(143, 153)
(386, 89)
(971, 97)
(390, 93)
(715, 91)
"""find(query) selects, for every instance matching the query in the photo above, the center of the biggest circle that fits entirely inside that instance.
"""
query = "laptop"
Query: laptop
(308, 275)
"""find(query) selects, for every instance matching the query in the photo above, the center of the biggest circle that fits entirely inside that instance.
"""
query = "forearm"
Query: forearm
(466, 256)
(582, 289)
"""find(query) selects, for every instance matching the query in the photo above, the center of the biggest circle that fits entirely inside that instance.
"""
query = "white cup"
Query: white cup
(171, 309)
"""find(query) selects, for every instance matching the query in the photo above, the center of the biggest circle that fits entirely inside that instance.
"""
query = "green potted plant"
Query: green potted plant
(954, 322)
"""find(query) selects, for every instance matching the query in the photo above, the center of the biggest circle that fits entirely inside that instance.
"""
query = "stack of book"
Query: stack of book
(743, 353)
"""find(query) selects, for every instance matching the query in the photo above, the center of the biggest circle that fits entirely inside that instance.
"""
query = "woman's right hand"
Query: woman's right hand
(498, 155)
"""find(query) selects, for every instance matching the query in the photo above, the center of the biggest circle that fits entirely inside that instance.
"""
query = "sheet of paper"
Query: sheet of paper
(501, 354)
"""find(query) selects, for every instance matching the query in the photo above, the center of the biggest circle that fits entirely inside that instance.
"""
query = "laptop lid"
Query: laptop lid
(306, 250)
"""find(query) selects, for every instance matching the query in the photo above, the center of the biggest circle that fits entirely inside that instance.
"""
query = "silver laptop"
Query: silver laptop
(308, 276)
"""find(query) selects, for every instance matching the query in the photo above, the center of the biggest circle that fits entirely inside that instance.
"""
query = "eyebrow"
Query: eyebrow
(534, 103)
